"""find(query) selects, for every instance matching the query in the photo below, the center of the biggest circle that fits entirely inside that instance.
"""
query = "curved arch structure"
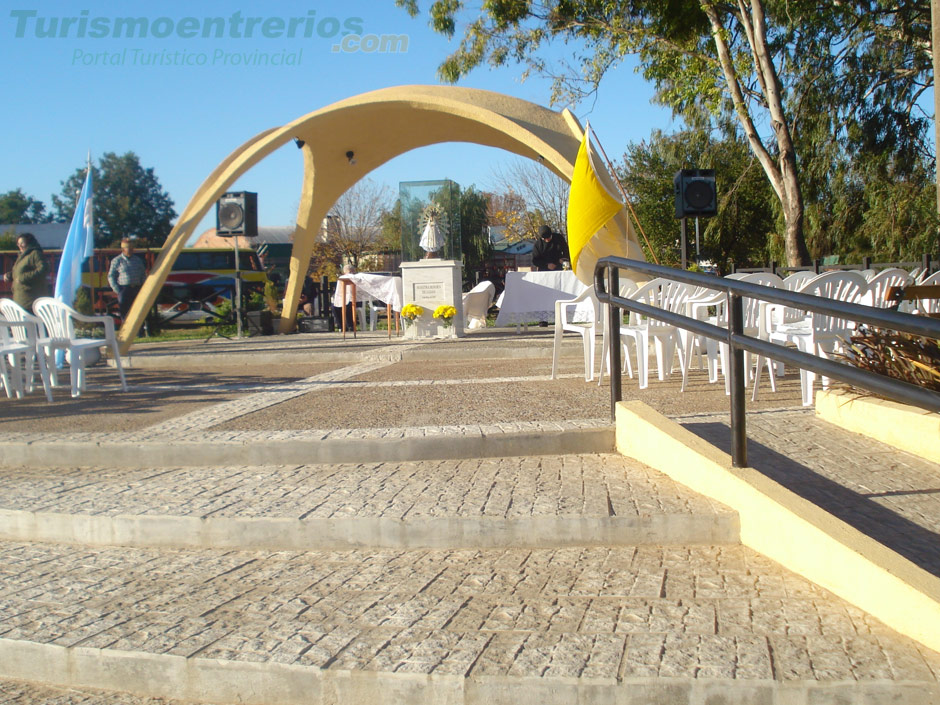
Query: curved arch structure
(379, 126)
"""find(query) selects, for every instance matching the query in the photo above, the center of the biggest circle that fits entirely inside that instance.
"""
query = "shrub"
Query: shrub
(901, 356)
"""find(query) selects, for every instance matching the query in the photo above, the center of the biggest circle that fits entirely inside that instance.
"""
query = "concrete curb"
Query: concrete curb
(173, 452)
(789, 529)
(211, 680)
(906, 427)
(287, 534)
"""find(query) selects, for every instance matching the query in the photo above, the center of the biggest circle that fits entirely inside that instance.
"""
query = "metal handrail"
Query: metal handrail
(607, 280)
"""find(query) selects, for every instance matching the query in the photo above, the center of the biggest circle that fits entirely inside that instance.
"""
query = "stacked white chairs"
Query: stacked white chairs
(628, 288)
(929, 306)
(10, 353)
(670, 296)
(818, 333)
(752, 312)
(585, 303)
(59, 320)
(476, 304)
(879, 284)
(26, 330)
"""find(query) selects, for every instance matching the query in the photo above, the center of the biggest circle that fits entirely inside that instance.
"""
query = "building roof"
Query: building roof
(51, 236)
(271, 235)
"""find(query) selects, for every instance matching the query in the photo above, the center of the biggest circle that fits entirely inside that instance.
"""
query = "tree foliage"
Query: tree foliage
(17, 207)
(474, 234)
(128, 201)
(745, 220)
(797, 77)
(356, 225)
(545, 195)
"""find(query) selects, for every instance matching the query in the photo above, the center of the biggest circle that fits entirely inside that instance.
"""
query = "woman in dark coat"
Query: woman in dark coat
(30, 273)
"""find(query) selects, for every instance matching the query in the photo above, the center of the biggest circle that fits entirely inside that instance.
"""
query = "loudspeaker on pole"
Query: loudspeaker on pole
(237, 214)
(696, 196)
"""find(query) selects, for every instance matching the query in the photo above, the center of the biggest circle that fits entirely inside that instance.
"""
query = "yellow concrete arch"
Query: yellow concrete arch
(377, 126)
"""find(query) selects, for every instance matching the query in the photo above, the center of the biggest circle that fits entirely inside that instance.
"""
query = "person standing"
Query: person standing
(30, 272)
(126, 275)
(549, 251)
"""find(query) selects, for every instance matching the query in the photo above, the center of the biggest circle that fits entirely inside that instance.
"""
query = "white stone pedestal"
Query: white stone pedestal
(431, 283)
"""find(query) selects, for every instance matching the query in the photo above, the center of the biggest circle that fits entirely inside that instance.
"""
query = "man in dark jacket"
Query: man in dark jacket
(550, 249)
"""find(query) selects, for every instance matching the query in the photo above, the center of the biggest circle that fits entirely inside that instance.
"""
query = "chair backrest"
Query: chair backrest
(56, 316)
(752, 306)
(879, 284)
(12, 311)
(838, 286)
(478, 300)
(665, 294)
(929, 305)
(797, 280)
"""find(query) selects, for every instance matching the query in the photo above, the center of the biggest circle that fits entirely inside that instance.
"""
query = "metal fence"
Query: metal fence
(607, 280)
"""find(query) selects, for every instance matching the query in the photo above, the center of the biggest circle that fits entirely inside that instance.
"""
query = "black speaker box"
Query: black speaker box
(237, 214)
(696, 196)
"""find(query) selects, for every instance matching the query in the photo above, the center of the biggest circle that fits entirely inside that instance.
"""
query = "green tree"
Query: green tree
(739, 233)
(760, 62)
(128, 201)
(17, 207)
(474, 235)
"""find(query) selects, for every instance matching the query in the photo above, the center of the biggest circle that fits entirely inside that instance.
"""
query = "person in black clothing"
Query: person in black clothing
(309, 295)
(549, 251)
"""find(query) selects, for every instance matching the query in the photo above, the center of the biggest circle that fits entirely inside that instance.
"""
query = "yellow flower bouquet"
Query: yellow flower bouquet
(411, 311)
(446, 313)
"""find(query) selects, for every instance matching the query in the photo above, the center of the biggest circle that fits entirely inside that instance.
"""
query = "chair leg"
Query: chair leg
(642, 359)
(120, 367)
(588, 341)
(44, 375)
(556, 350)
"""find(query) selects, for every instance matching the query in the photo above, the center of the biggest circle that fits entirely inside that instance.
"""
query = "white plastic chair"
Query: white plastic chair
(628, 288)
(879, 284)
(476, 304)
(818, 333)
(10, 353)
(668, 295)
(718, 351)
(58, 319)
(931, 306)
(28, 331)
(585, 301)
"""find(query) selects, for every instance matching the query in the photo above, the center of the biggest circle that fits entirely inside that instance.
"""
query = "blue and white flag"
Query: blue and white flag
(79, 246)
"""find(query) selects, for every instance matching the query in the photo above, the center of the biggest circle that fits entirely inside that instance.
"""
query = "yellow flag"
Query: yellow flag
(590, 207)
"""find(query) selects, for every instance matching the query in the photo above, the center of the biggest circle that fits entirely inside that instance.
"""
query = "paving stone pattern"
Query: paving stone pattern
(891, 495)
(699, 612)
(585, 485)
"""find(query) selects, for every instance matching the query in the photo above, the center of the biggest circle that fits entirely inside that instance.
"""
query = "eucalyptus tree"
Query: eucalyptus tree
(762, 62)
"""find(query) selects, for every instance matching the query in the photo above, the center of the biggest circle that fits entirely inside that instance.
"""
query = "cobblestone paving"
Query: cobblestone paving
(702, 612)
(578, 485)
(889, 494)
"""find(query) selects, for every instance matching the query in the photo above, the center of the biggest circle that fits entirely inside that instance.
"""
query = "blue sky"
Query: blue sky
(67, 95)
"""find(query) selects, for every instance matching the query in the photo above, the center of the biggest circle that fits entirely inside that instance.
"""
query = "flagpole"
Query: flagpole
(626, 199)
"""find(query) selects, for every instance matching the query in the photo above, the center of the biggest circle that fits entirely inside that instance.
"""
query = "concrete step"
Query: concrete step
(174, 444)
(691, 624)
(513, 502)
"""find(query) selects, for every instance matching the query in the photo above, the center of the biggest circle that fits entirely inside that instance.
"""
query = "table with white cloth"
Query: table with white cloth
(369, 287)
(531, 296)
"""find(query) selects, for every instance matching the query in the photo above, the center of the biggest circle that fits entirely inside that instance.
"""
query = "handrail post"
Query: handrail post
(613, 340)
(736, 380)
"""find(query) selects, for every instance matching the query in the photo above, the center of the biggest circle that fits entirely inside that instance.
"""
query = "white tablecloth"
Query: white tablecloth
(531, 296)
(372, 287)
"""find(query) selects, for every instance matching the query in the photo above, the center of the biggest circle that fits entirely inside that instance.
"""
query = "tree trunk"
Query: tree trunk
(781, 170)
